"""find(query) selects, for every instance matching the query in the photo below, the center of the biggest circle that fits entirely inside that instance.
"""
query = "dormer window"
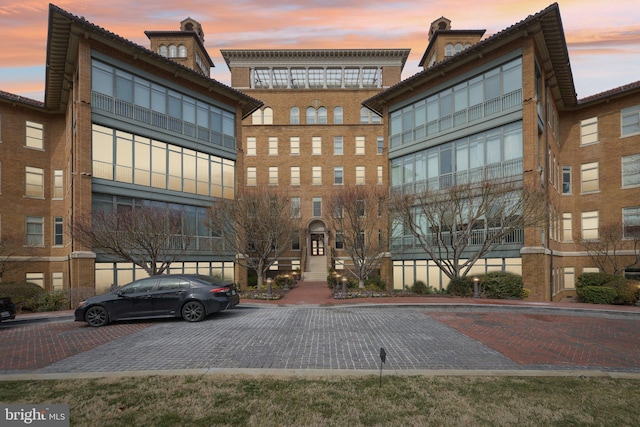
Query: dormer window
(448, 50)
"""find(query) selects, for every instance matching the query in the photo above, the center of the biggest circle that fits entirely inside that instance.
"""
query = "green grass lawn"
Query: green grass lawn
(240, 400)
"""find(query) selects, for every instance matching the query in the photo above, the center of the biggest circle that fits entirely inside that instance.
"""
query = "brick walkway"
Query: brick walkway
(308, 329)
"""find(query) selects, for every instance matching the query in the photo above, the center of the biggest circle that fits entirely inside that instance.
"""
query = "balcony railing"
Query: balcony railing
(460, 118)
(140, 114)
(475, 238)
(510, 168)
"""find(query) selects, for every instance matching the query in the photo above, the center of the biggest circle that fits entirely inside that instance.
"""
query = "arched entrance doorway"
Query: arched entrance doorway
(317, 241)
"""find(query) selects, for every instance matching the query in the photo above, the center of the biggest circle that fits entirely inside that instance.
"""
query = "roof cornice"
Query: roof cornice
(66, 29)
(314, 57)
(545, 27)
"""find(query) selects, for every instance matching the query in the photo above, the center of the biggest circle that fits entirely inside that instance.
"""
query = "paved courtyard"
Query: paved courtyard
(339, 337)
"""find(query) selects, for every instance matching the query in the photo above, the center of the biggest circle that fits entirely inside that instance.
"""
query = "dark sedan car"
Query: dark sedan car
(7, 309)
(190, 296)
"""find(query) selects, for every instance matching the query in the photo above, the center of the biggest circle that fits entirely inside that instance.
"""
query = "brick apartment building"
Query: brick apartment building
(507, 104)
(313, 136)
(311, 120)
(120, 126)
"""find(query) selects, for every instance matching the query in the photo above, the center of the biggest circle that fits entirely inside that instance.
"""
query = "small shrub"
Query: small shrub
(375, 284)
(596, 294)
(626, 290)
(594, 279)
(460, 286)
(420, 288)
(502, 285)
(54, 301)
(23, 294)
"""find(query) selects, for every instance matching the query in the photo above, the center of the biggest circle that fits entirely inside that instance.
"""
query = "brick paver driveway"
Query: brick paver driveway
(339, 337)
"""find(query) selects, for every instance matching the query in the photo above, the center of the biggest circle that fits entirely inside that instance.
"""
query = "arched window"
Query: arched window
(162, 50)
(337, 116)
(256, 117)
(294, 116)
(322, 116)
(173, 51)
(267, 116)
(467, 45)
(311, 116)
(182, 51)
(448, 50)
(458, 47)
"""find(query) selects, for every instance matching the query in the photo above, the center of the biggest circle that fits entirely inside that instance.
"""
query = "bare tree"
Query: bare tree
(259, 225)
(356, 214)
(461, 223)
(605, 251)
(151, 237)
(8, 248)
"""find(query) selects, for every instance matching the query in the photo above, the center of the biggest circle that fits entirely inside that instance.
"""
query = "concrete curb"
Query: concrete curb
(324, 373)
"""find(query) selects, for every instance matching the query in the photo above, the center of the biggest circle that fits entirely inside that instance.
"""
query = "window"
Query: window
(295, 175)
(173, 51)
(631, 223)
(359, 175)
(566, 180)
(273, 175)
(57, 281)
(162, 50)
(182, 51)
(567, 227)
(311, 116)
(294, 146)
(58, 184)
(316, 146)
(58, 236)
(589, 179)
(448, 50)
(316, 203)
(380, 148)
(34, 231)
(337, 175)
(294, 116)
(295, 207)
(267, 116)
(337, 146)
(35, 278)
(295, 242)
(359, 145)
(631, 170)
(273, 146)
(251, 146)
(322, 116)
(630, 121)
(367, 116)
(589, 131)
(337, 116)
(339, 240)
(34, 182)
(590, 225)
(379, 174)
(34, 135)
(316, 175)
(251, 177)
(569, 278)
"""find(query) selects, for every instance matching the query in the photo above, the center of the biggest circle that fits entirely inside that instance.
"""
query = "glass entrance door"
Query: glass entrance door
(317, 244)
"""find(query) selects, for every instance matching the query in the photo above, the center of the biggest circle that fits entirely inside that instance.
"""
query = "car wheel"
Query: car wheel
(97, 316)
(193, 311)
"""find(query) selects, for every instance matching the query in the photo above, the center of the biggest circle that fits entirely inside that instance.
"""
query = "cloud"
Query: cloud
(594, 30)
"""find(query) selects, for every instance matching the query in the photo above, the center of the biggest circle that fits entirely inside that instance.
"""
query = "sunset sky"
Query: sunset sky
(603, 37)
